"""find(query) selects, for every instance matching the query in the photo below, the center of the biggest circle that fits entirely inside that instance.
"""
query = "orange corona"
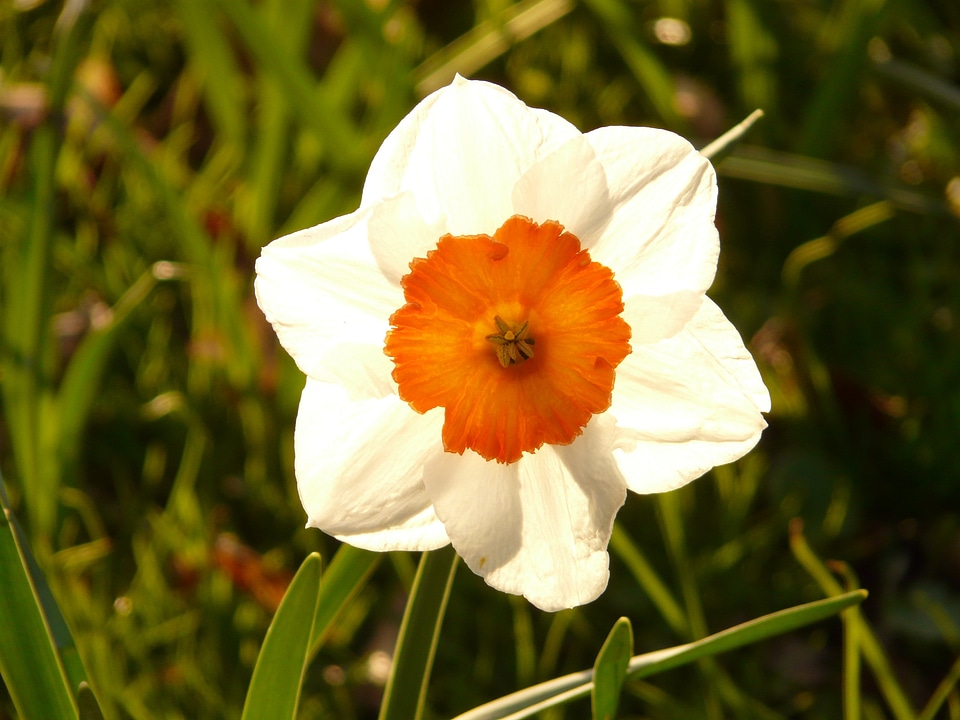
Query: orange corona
(517, 336)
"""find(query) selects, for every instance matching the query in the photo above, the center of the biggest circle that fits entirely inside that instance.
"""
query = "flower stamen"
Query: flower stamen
(513, 344)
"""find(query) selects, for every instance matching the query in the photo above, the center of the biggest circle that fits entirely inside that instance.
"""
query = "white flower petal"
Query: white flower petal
(480, 502)
(461, 151)
(716, 333)
(568, 185)
(590, 462)
(328, 303)
(385, 177)
(535, 528)
(655, 318)
(359, 467)
(687, 403)
(661, 238)
(398, 234)
(652, 466)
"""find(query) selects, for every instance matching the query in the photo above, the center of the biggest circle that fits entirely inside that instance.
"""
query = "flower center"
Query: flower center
(534, 285)
(513, 344)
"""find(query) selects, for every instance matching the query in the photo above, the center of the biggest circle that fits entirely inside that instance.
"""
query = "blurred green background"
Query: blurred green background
(149, 149)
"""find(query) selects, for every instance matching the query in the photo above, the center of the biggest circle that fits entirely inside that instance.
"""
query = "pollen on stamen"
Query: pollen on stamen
(512, 344)
(517, 336)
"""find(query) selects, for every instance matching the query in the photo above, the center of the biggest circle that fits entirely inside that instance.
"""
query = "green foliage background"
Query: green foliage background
(148, 150)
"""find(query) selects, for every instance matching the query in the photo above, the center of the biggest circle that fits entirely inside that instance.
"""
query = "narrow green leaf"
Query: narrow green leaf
(851, 665)
(89, 707)
(532, 700)
(672, 526)
(765, 166)
(746, 633)
(27, 300)
(626, 549)
(525, 649)
(81, 382)
(63, 642)
(406, 692)
(29, 663)
(651, 74)
(290, 20)
(275, 687)
(346, 574)
(872, 650)
(848, 34)
(920, 81)
(217, 306)
(487, 41)
(24, 322)
(942, 692)
(346, 149)
(71, 34)
(210, 55)
(822, 247)
(673, 533)
(754, 52)
(610, 670)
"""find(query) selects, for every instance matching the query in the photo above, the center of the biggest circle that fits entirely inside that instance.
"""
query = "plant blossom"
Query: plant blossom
(509, 333)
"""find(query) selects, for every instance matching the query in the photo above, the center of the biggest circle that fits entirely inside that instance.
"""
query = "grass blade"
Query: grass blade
(406, 692)
(849, 33)
(650, 73)
(623, 546)
(81, 382)
(29, 664)
(806, 173)
(26, 292)
(217, 71)
(256, 209)
(87, 701)
(345, 576)
(275, 687)
(610, 670)
(671, 522)
(920, 81)
(754, 52)
(872, 650)
(24, 321)
(851, 665)
(344, 147)
(942, 692)
(532, 700)
(823, 247)
(487, 41)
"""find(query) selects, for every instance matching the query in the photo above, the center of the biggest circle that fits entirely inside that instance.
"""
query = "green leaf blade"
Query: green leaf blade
(747, 633)
(87, 701)
(532, 700)
(346, 574)
(275, 687)
(29, 663)
(610, 670)
(405, 695)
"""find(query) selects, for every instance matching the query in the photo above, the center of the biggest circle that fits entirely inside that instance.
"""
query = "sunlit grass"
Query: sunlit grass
(149, 149)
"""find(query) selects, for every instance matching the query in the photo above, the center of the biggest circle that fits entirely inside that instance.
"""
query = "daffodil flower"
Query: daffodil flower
(508, 334)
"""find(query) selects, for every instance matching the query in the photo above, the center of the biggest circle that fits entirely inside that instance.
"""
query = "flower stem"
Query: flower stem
(406, 691)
